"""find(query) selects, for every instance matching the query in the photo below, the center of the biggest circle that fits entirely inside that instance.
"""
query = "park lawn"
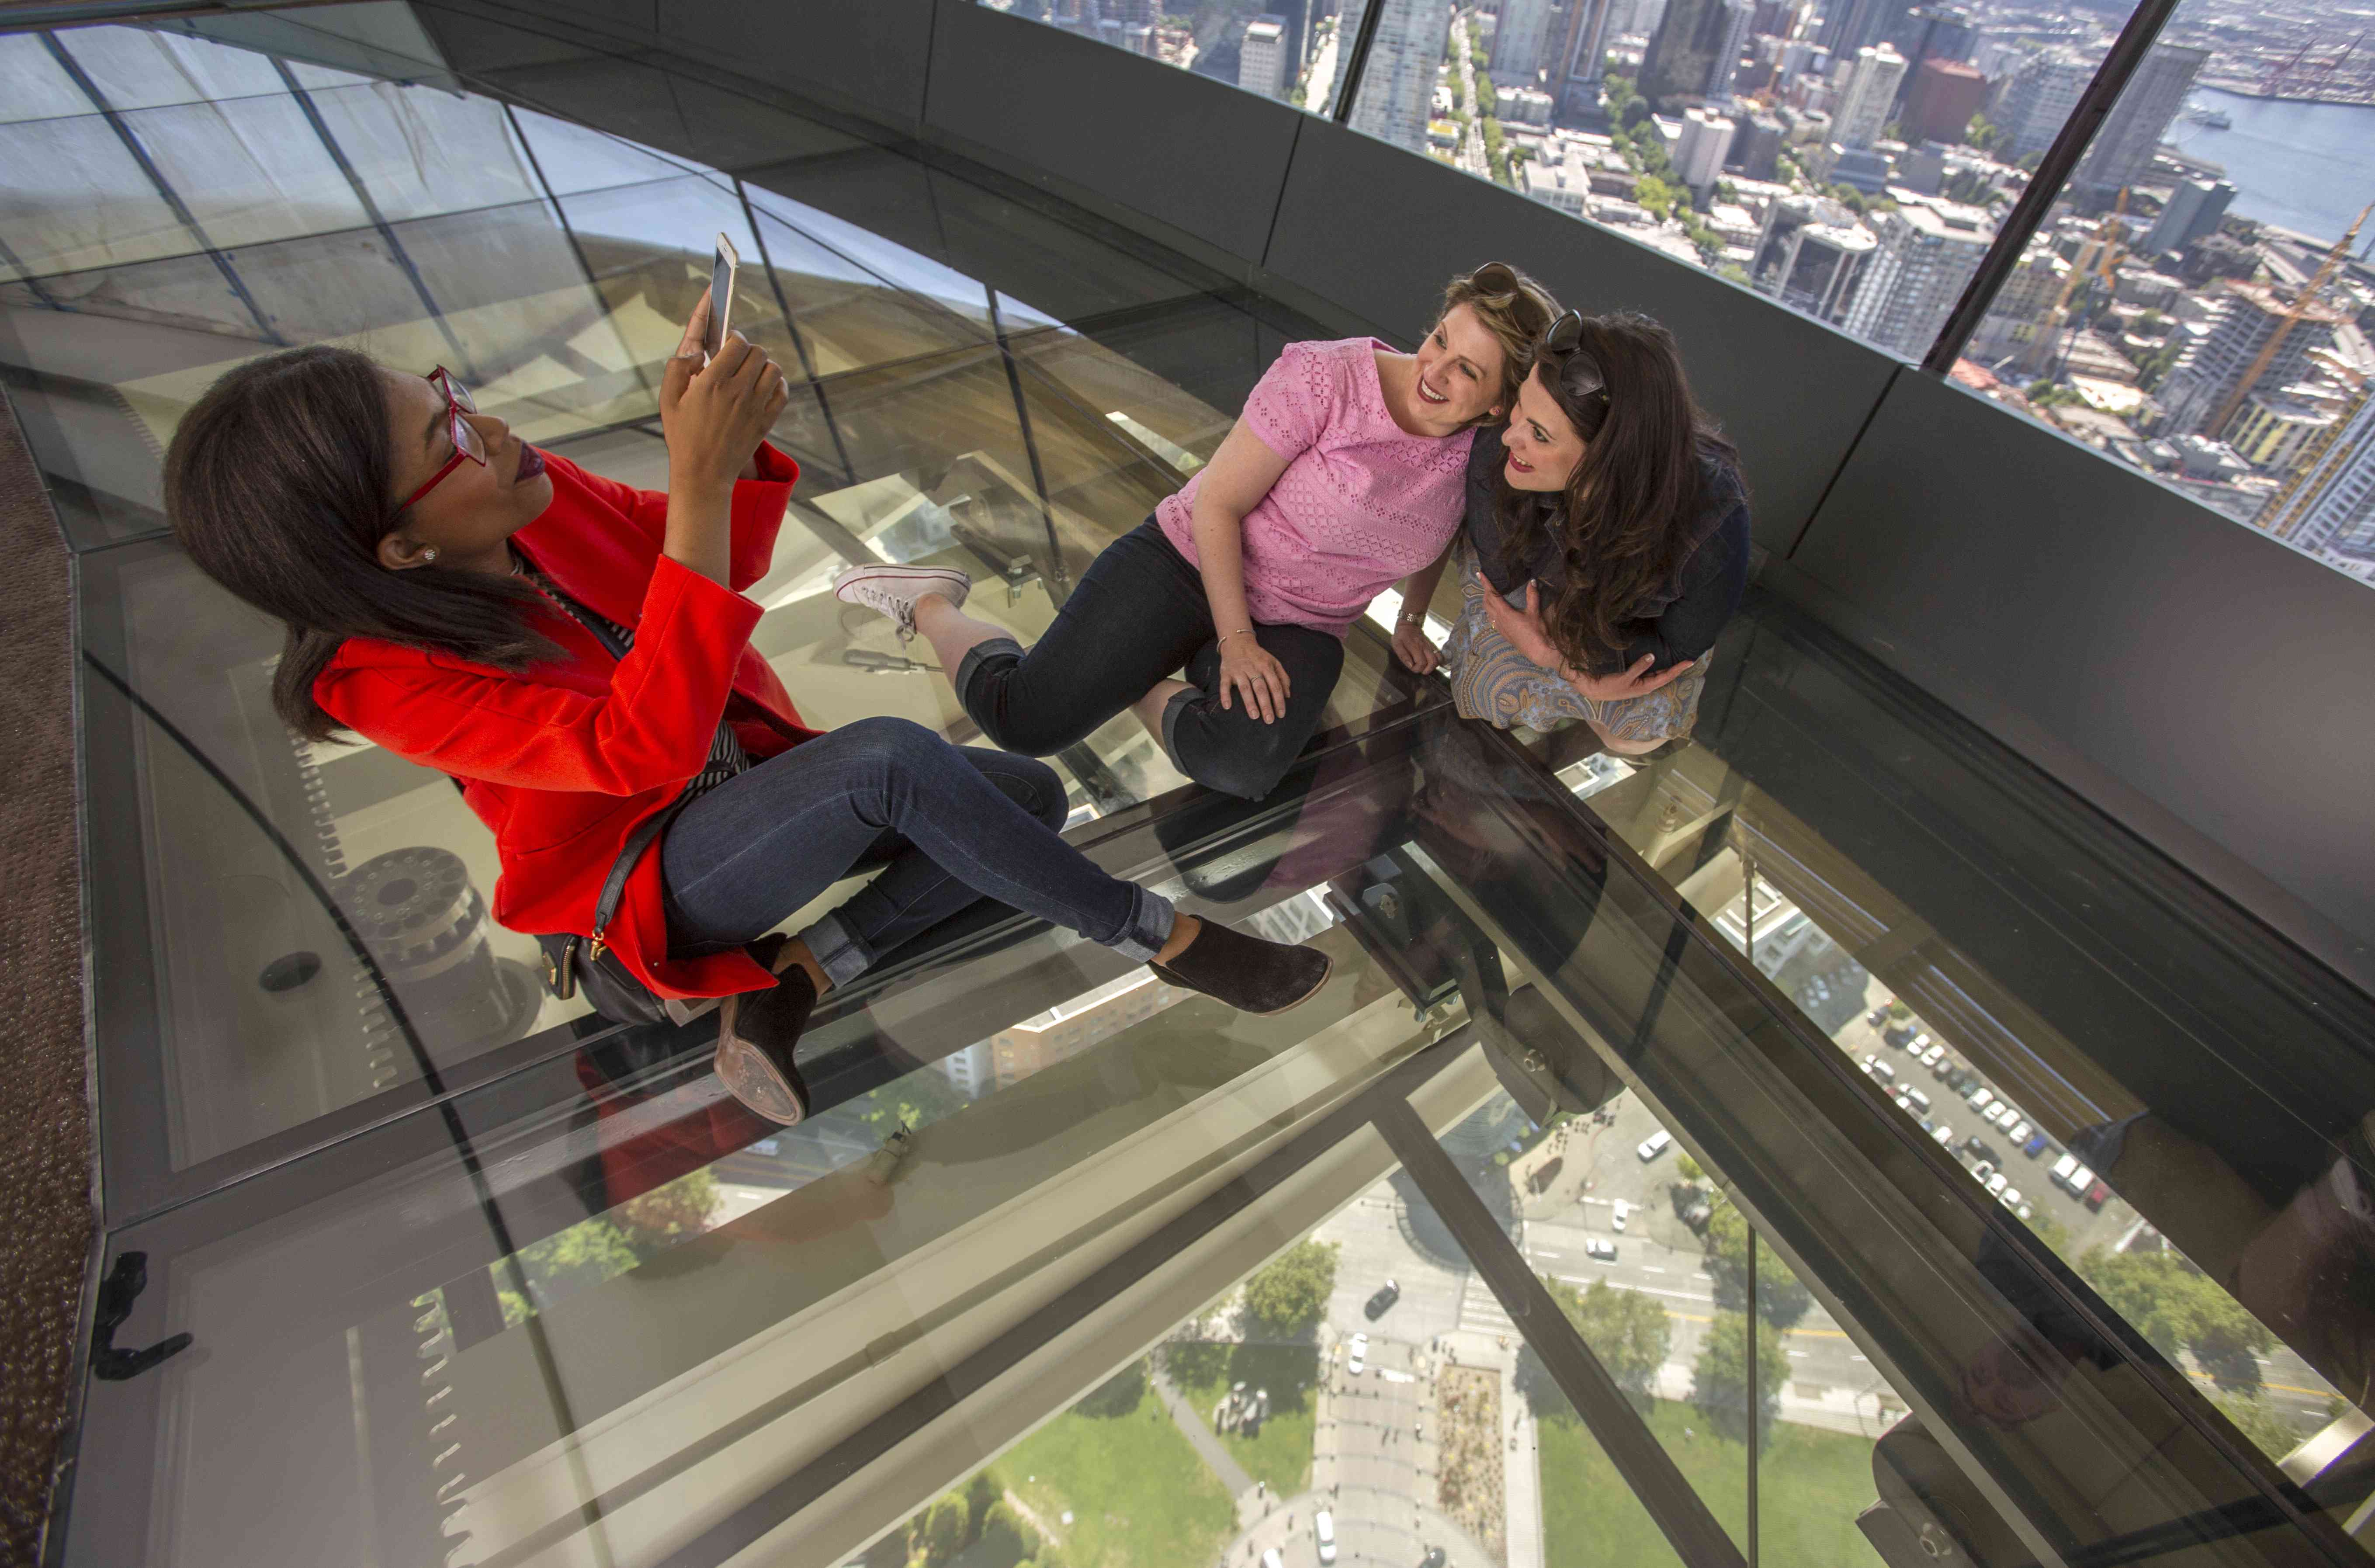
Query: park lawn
(1281, 1453)
(1140, 1496)
(1811, 1486)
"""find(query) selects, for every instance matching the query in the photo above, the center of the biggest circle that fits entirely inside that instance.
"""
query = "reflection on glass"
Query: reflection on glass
(1616, 1239)
(2196, 304)
(1284, 52)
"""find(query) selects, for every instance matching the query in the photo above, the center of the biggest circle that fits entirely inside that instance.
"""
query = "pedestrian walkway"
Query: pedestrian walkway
(1200, 1437)
(1480, 1309)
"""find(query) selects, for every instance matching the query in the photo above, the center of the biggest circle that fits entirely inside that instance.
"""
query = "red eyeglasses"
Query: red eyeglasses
(463, 434)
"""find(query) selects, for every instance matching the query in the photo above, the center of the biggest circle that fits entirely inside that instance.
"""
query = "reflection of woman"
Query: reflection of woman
(1344, 475)
(577, 655)
(1613, 515)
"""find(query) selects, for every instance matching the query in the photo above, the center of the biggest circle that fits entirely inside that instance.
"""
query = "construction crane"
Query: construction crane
(2216, 423)
(2283, 514)
(2111, 237)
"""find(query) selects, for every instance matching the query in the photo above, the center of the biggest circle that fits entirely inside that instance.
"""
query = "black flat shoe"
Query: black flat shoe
(1250, 974)
(756, 1032)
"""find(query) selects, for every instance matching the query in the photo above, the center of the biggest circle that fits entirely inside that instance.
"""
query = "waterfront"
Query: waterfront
(2299, 165)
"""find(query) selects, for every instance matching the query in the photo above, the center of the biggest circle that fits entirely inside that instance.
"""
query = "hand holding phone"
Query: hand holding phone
(722, 268)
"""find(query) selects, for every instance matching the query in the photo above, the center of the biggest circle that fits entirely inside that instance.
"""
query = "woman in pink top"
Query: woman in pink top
(1345, 475)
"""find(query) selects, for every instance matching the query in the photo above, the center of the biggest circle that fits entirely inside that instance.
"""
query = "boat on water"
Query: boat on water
(2202, 114)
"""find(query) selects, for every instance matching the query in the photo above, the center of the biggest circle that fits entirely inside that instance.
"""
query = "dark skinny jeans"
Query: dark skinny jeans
(1140, 615)
(948, 825)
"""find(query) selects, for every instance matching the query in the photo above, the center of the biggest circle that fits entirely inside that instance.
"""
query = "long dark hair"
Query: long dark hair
(1638, 501)
(278, 485)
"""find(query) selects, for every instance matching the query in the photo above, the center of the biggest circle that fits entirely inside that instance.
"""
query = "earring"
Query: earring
(430, 554)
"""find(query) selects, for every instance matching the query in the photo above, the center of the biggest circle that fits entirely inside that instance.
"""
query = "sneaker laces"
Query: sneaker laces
(902, 611)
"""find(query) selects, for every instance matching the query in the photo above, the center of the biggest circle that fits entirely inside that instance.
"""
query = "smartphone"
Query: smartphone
(721, 296)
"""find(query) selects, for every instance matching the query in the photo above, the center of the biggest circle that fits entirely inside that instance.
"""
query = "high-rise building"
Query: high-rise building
(1945, 94)
(1521, 40)
(1852, 25)
(2331, 506)
(2193, 209)
(1872, 89)
(2021, 325)
(1699, 154)
(2207, 375)
(1774, 18)
(1757, 148)
(2039, 99)
(1261, 59)
(1575, 58)
(1926, 253)
(2122, 149)
(1399, 81)
(1691, 55)
(1937, 32)
(1810, 253)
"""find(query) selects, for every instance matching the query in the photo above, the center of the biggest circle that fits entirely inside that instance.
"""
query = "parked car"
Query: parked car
(1878, 1068)
(2020, 1132)
(1998, 1114)
(2026, 1212)
(1387, 1295)
(1918, 1097)
(1358, 1361)
(1877, 1017)
(1616, 1216)
(1997, 1183)
(1599, 1250)
(1649, 1148)
(1978, 1148)
(2036, 1145)
(1980, 1097)
(2009, 1199)
(1434, 1558)
(1270, 1558)
(1933, 1055)
(2062, 1168)
(1323, 1529)
(1982, 1171)
(1943, 1134)
(1899, 1035)
(2096, 1195)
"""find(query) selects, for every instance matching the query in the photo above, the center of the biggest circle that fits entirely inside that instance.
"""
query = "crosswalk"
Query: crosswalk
(1479, 1310)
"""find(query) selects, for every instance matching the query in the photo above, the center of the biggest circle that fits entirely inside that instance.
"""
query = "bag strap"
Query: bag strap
(614, 887)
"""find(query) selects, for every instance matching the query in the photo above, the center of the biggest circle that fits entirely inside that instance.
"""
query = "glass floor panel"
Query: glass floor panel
(2069, 1154)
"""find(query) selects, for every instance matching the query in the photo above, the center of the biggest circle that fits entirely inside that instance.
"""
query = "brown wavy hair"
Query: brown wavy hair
(1511, 306)
(278, 484)
(1639, 500)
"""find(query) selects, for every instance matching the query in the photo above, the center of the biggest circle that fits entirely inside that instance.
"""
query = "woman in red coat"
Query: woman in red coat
(575, 653)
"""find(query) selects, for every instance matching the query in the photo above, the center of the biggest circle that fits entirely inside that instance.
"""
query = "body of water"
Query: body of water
(2302, 165)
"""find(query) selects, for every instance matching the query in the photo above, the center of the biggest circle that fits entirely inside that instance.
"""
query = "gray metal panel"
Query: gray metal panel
(1202, 159)
(2202, 683)
(869, 59)
(1379, 230)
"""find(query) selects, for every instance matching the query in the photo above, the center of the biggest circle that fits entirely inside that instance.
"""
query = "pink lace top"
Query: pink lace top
(1363, 503)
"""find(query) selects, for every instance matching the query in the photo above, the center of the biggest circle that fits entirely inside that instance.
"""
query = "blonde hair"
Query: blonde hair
(1511, 306)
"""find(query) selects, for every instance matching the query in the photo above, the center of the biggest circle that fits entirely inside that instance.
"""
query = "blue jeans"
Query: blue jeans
(948, 825)
(1139, 615)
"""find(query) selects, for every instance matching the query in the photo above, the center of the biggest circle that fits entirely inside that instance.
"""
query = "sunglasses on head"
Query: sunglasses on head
(1562, 352)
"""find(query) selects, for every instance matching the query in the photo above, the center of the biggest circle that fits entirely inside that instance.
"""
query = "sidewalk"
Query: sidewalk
(1200, 1437)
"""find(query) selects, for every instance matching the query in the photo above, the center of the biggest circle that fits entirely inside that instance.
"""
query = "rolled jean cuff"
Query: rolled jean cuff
(981, 654)
(838, 954)
(1171, 712)
(1150, 919)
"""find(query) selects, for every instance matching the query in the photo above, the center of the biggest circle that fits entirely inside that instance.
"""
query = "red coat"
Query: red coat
(564, 759)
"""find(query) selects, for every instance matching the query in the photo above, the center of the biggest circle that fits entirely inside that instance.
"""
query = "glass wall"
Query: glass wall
(2197, 304)
(1849, 159)
(1293, 50)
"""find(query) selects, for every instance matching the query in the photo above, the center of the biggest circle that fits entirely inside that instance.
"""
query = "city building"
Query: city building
(1925, 253)
(1261, 59)
(2274, 429)
(1399, 80)
(1872, 88)
(2331, 504)
(2021, 329)
(2243, 317)
(1521, 40)
(1699, 153)
(1851, 26)
(1943, 96)
(1690, 57)
(1071, 1027)
(1577, 57)
(1810, 254)
(2122, 149)
(1935, 32)
(1859, 168)
(2193, 209)
(2039, 99)
(1755, 148)
(1524, 106)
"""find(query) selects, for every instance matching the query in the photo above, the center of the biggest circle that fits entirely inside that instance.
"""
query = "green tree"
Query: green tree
(1116, 1396)
(1289, 1293)
(1006, 1540)
(982, 1494)
(2177, 1307)
(2270, 1431)
(1627, 1330)
(1654, 195)
(1689, 1169)
(668, 1213)
(1981, 134)
(1781, 1300)
(1719, 1380)
(945, 1529)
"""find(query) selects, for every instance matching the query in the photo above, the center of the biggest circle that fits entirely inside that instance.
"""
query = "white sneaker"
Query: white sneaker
(893, 590)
